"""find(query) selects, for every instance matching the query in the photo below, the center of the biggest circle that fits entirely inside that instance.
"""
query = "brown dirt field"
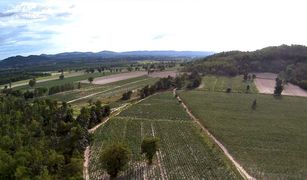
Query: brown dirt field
(265, 83)
(163, 74)
(116, 77)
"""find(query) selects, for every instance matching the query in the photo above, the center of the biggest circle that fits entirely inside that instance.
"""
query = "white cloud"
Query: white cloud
(215, 25)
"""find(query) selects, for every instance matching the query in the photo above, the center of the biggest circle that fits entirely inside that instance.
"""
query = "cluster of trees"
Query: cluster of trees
(40, 140)
(189, 81)
(90, 117)
(39, 91)
(162, 84)
(195, 80)
(61, 88)
(290, 60)
(115, 157)
(296, 74)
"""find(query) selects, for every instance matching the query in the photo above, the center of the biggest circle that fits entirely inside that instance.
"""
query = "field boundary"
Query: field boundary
(241, 170)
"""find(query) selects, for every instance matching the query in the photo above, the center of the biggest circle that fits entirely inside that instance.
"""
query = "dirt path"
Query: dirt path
(241, 170)
(87, 151)
(159, 159)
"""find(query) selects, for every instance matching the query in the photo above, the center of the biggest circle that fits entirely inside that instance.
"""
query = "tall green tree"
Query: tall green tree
(278, 87)
(115, 158)
(90, 79)
(32, 82)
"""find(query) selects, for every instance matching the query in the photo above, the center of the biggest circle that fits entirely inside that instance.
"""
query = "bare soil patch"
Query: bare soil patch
(265, 83)
(163, 74)
(117, 77)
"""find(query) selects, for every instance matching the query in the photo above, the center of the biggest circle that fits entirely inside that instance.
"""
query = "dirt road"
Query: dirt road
(265, 83)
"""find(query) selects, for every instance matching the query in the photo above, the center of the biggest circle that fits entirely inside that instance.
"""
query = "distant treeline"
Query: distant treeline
(290, 61)
(40, 91)
(9, 76)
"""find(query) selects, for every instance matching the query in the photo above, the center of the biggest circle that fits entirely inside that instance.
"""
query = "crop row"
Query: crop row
(221, 83)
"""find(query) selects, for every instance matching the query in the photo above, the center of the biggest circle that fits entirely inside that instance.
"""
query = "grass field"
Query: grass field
(221, 83)
(270, 142)
(185, 153)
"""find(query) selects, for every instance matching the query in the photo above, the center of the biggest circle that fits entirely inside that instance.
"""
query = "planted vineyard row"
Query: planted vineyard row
(161, 106)
(269, 141)
(184, 152)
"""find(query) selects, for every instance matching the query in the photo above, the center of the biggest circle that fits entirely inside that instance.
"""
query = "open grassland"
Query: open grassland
(185, 153)
(221, 83)
(270, 141)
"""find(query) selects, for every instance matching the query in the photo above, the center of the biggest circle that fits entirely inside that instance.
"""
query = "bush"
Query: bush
(228, 90)
(126, 95)
(149, 147)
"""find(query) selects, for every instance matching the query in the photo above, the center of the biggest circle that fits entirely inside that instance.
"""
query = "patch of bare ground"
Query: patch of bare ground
(162, 74)
(116, 77)
(265, 83)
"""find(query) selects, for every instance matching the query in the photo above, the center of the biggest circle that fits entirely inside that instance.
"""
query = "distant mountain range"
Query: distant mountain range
(87, 57)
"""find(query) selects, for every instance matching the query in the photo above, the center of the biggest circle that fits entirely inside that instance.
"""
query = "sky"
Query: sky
(54, 26)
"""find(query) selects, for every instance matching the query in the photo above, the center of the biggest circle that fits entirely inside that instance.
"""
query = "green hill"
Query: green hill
(289, 61)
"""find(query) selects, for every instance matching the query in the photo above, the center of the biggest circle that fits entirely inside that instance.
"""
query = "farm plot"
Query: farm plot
(270, 141)
(117, 77)
(185, 153)
(265, 83)
(221, 83)
(162, 106)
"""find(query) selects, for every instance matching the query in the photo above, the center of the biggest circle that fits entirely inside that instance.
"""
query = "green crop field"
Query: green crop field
(185, 153)
(221, 83)
(270, 141)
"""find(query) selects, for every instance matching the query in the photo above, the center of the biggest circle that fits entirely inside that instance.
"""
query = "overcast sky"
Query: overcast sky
(53, 26)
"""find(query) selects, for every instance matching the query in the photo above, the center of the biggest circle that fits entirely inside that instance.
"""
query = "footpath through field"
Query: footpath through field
(241, 170)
